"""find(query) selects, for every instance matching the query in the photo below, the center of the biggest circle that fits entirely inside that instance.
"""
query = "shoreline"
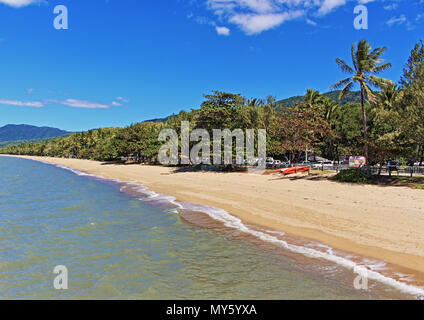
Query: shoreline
(344, 220)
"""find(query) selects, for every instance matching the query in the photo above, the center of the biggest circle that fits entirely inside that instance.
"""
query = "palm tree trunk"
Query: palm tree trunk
(364, 117)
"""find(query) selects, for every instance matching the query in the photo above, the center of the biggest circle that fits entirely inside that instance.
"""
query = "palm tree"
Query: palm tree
(366, 63)
(253, 103)
(312, 98)
(388, 97)
(315, 99)
(330, 106)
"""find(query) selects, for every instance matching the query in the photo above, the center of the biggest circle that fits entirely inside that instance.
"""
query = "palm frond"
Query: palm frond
(370, 94)
(340, 84)
(345, 91)
(355, 65)
(344, 66)
(382, 68)
(379, 82)
(312, 97)
(362, 55)
(376, 53)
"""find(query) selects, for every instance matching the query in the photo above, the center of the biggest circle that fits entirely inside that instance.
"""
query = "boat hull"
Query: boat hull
(294, 170)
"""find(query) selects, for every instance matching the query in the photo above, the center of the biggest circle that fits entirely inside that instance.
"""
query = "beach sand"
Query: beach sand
(385, 223)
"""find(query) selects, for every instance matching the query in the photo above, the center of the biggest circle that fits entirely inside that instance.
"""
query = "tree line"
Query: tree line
(387, 124)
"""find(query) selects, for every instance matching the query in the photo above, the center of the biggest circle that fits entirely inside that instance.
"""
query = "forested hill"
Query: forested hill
(354, 96)
(162, 120)
(21, 132)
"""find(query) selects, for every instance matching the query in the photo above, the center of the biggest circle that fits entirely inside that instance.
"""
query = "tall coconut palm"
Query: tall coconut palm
(366, 64)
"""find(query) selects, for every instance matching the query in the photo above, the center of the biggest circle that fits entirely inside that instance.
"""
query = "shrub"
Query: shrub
(353, 175)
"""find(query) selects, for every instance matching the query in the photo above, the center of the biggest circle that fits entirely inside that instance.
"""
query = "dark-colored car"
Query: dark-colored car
(393, 166)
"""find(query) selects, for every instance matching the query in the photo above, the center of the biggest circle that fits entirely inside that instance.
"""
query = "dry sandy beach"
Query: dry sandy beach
(386, 223)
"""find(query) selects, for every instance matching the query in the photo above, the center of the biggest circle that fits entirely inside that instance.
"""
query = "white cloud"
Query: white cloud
(311, 22)
(122, 99)
(116, 104)
(19, 3)
(17, 103)
(329, 5)
(74, 103)
(257, 23)
(256, 16)
(223, 31)
(84, 104)
(392, 6)
(397, 20)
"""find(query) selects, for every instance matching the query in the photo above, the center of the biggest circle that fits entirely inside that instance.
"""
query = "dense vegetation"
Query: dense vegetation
(21, 142)
(385, 124)
(24, 132)
(352, 175)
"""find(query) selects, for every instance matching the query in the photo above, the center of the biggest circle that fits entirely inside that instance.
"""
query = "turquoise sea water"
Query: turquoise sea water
(117, 242)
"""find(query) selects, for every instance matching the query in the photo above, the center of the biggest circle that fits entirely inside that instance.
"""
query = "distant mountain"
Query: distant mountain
(21, 132)
(163, 120)
(354, 97)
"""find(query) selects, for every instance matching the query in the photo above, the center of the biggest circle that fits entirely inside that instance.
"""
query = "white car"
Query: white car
(306, 163)
(328, 164)
(252, 162)
(269, 161)
(316, 165)
(321, 164)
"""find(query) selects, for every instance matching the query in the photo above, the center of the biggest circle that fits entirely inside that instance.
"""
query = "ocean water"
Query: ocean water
(122, 241)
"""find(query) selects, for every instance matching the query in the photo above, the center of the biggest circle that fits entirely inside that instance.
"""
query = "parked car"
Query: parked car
(316, 165)
(306, 163)
(328, 164)
(253, 162)
(269, 162)
(393, 166)
(284, 165)
(323, 164)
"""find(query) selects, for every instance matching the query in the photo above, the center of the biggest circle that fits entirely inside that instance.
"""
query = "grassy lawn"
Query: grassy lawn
(320, 172)
(414, 182)
(360, 176)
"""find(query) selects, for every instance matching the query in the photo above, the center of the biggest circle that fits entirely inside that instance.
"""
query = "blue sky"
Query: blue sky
(125, 61)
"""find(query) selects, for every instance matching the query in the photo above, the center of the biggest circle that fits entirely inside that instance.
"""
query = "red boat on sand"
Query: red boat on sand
(293, 170)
